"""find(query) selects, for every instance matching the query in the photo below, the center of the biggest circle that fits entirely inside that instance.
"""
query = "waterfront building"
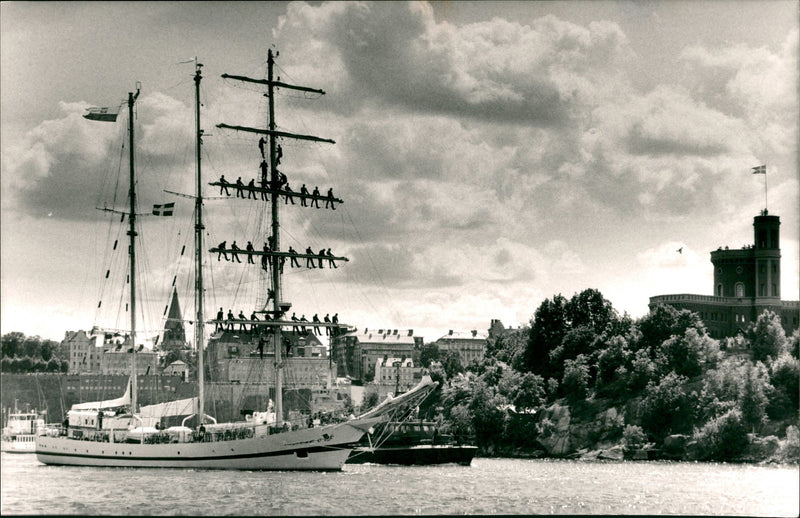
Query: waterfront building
(356, 352)
(746, 283)
(470, 345)
(399, 374)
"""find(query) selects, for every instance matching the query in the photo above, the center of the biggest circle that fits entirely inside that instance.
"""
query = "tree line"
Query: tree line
(23, 354)
(663, 368)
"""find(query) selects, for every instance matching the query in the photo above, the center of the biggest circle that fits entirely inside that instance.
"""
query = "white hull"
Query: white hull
(318, 449)
(24, 444)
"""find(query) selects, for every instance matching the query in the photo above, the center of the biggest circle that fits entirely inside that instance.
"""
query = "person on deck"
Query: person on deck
(331, 262)
(309, 260)
(223, 185)
(220, 318)
(330, 199)
(321, 255)
(294, 262)
(304, 193)
(261, 143)
(234, 249)
(251, 189)
(221, 251)
(315, 201)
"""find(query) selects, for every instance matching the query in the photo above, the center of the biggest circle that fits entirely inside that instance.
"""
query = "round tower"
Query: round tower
(766, 230)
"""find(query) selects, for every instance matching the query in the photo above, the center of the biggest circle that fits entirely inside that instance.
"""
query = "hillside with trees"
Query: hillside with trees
(583, 381)
(23, 354)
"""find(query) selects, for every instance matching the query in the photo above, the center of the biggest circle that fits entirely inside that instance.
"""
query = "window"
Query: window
(739, 287)
(719, 290)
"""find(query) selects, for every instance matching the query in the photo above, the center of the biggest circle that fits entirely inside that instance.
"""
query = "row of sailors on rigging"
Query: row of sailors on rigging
(223, 324)
(283, 185)
(222, 251)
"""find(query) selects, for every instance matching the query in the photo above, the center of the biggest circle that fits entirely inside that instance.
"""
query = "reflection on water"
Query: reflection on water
(489, 486)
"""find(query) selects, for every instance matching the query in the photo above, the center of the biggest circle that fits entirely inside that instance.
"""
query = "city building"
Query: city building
(470, 345)
(96, 352)
(356, 352)
(746, 283)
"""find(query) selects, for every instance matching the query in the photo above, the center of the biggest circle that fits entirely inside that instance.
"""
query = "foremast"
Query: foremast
(275, 254)
(198, 236)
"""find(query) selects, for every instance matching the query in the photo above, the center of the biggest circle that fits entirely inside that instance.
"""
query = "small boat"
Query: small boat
(117, 433)
(411, 443)
(19, 435)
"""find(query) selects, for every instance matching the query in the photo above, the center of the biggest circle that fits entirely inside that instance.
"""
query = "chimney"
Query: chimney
(474, 333)
(451, 332)
(410, 332)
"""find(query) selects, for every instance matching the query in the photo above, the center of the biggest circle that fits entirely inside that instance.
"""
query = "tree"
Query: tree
(590, 309)
(530, 392)
(548, 327)
(767, 337)
(576, 378)
(429, 353)
(452, 363)
(682, 354)
(723, 438)
(12, 344)
(371, 400)
(752, 401)
(610, 360)
(785, 378)
(666, 408)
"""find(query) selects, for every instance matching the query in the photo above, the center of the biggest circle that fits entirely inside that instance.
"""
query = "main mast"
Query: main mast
(276, 255)
(198, 233)
(132, 252)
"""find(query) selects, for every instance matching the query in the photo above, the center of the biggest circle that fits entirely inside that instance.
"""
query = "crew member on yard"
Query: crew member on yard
(315, 201)
(330, 199)
(234, 249)
(221, 251)
(223, 185)
(309, 260)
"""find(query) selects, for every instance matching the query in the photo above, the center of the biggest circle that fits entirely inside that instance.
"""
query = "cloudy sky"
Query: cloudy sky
(489, 154)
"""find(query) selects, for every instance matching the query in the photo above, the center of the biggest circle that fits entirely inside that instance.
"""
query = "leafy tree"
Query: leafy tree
(576, 378)
(681, 354)
(666, 408)
(452, 363)
(793, 344)
(767, 337)
(752, 401)
(548, 327)
(429, 353)
(612, 367)
(525, 391)
(12, 344)
(785, 378)
(590, 309)
(724, 437)
(721, 388)
(642, 371)
(664, 322)
(633, 437)
(578, 340)
(510, 347)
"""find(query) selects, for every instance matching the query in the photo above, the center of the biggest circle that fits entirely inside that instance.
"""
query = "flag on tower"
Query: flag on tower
(760, 169)
(163, 210)
(102, 114)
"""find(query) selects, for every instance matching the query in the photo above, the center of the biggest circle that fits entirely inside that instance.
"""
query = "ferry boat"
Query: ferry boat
(117, 433)
(19, 435)
(411, 443)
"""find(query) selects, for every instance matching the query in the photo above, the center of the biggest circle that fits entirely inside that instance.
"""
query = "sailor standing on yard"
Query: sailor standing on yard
(221, 251)
(220, 318)
(239, 185)
(234, 249)
(223, 185)
(309, 260)
(294, 262)
(250, 248)
(304, 193)
(327, 321)
(251, 189)
(315, 201)
(329, 199)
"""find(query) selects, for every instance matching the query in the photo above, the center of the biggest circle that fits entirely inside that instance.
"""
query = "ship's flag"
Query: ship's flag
(102, 114)
(760, 169)
(164, 210)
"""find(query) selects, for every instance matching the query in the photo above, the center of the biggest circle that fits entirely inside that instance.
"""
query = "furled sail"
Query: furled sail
(125, 400)
(170, 408)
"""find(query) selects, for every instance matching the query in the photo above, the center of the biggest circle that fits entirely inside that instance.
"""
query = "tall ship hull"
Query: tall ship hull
(318, 449)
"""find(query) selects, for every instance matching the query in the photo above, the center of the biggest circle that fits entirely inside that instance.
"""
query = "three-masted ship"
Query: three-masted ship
(120, 434)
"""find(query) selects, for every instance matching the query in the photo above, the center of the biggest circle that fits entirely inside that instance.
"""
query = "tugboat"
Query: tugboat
(411, 443)
(19, 435)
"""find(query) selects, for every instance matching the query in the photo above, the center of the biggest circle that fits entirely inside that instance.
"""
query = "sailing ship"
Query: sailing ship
(117, 433)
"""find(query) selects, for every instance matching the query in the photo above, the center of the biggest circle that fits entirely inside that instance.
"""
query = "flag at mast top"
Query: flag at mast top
(105, 114)
(760, 169)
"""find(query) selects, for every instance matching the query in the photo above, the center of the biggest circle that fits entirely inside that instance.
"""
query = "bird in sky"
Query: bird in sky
(680, 250)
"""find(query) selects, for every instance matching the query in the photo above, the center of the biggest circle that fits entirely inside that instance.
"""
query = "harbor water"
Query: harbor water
(488, 486)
